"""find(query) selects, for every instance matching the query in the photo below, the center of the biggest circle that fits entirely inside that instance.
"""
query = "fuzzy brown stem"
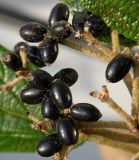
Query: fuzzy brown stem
(24, 57)
(128, 82)
(136, 156)
(99, 45)
(133, 148)
(87, 51)
(135, 92)
(113, 105)
(9, 85)
(103, 124)
(115, 42)
(121, 135)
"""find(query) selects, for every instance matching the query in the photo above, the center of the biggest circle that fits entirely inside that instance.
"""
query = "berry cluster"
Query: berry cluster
(58, 28)
(56, 105)
(93, 23)
(53, 92)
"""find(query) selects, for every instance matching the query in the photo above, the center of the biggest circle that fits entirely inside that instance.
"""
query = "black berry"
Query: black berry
(67, 130)
(95, 24)
(18, 46)
(40, 79)
(58, 13)
(49, 109)
(49, 145)
(31, 95)
(118, 68)
(78, 21)
(61, 94)
(67, 75)
(49, 51)
(85, 112)
(61, 29)
(12, 61)
(33, 32)
(34, 56)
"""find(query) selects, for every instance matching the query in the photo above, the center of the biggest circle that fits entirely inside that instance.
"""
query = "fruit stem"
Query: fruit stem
(115, 42)
(135, 92)
(113, 105)
(37, 124)
(24, 58)
(99, 45)
(121, 135)
(103, 124)
(130, 147)
(9, 85)
(136, 156)
(86, 50)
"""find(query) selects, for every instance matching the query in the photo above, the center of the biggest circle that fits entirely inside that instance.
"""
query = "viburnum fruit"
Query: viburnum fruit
(33, 32)
(118, 68)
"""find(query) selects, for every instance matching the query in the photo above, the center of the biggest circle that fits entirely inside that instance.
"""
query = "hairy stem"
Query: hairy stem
(128, 82)
(9, 85)
(130, 147)
(99, 45)
(135, 92)
(113, 105)
(115, 42)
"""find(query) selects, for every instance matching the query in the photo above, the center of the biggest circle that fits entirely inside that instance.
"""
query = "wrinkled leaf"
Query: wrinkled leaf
(15, 131)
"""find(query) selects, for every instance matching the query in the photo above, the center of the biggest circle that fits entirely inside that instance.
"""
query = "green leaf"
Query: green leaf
(15, 131)
(121, 15)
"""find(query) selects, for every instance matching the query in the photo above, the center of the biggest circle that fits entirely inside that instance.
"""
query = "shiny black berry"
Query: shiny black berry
(67, 75)
(31, 95)
(78, 21)
(58, 13)
(18, 46)
(33, 32)
(49, 109)
(34, 56)
(85, 112)
(95, 24)
(49, 51)
(40, 79)
(61, 94)
(67, 130)
(49, 145)
(12, 61)
(61, 29)
(118, 68)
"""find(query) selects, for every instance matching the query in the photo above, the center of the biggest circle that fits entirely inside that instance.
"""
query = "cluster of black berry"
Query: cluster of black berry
(56, 98)
(58, 28)
(53, 92)
(93, 23)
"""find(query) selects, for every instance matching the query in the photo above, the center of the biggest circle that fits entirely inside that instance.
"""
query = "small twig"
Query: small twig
(85, 50)
(87, 36)
(115, 42)
(135, 92)
(136, 156)
(38, 125)
(113, 105)
(9, 85)
(24, 57)
(121, 135)
(128, 82)
(103, 124)
(130, 147)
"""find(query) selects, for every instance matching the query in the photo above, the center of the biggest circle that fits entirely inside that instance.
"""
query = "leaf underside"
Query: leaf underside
(16, 135)
(121, 15)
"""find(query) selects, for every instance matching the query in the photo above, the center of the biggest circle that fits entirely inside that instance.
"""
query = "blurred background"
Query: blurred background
(91, 71)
